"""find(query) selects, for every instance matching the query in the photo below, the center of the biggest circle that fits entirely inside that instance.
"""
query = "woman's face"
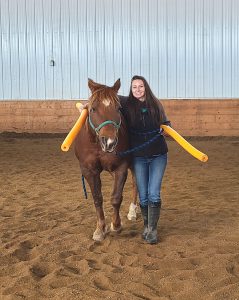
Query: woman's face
(138, 89)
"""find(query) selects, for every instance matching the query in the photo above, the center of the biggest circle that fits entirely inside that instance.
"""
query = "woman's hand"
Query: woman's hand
(81, 106)
(164, 133)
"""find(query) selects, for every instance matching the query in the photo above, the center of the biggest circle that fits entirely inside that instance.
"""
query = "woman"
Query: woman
(144, 114)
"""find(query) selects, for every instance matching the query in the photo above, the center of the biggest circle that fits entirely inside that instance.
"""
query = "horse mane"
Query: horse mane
(103, 92)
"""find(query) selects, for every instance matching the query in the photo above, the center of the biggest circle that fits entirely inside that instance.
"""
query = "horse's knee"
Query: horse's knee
(116, 201)
(98, 201)
(98, 204)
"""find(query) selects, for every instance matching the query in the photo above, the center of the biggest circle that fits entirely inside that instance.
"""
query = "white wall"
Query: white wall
(185, 48)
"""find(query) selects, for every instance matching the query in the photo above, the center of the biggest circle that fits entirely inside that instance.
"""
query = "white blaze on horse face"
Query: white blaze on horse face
(108, 144)
(106, 102)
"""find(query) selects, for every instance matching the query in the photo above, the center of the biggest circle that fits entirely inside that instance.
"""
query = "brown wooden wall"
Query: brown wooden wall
(189, 117)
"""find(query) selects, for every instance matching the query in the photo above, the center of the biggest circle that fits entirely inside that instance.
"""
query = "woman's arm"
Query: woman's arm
(123, 103)
(164, 119)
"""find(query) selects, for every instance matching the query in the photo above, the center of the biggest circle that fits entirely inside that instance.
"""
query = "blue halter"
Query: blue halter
(97, 129)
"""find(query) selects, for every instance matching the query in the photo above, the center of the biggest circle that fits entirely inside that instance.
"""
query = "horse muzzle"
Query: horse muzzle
(108, 144)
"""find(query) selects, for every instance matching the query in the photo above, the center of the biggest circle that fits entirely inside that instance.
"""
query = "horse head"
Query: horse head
(104, 114)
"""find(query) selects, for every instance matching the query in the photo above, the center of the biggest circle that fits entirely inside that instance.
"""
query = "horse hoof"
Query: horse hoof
(99, 234)
(112, 228)
(132, 215)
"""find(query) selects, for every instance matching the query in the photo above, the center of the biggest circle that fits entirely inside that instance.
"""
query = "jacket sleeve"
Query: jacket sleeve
(164, 118)
(123, 103)
(122, 100)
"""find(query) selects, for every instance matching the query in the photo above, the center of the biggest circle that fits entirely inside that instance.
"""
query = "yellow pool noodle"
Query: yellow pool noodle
(170, 131)
(183, 143)
(74, 131)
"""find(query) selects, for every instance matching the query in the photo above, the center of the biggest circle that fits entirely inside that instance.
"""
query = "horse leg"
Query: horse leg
(95, 187)
(132, 214)
(116, 197)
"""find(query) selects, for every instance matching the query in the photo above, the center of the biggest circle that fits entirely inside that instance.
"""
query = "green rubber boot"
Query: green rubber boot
(144, 212)
(153, 218)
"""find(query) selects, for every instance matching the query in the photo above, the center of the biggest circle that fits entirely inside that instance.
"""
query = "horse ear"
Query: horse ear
(117, 85)
(92, 85)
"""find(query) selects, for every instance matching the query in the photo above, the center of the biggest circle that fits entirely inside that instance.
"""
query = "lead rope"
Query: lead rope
(154, 138)
(83, 185)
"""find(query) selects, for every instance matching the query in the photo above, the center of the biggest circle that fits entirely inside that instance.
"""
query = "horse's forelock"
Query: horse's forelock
(104, 93)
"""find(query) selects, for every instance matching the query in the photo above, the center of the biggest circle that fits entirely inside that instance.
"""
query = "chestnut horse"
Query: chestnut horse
(102, 136)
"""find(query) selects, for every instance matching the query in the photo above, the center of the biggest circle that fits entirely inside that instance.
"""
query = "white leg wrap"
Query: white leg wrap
(132, 214)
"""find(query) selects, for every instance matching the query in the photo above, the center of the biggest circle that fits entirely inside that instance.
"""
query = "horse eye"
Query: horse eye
(92, 109)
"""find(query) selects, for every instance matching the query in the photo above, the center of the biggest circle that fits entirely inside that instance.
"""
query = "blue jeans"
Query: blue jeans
(149, 175)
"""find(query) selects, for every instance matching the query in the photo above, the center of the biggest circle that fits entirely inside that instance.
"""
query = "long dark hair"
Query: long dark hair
(153, 105)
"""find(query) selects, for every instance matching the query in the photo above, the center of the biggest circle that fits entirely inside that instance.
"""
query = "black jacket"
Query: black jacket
(144, 125)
